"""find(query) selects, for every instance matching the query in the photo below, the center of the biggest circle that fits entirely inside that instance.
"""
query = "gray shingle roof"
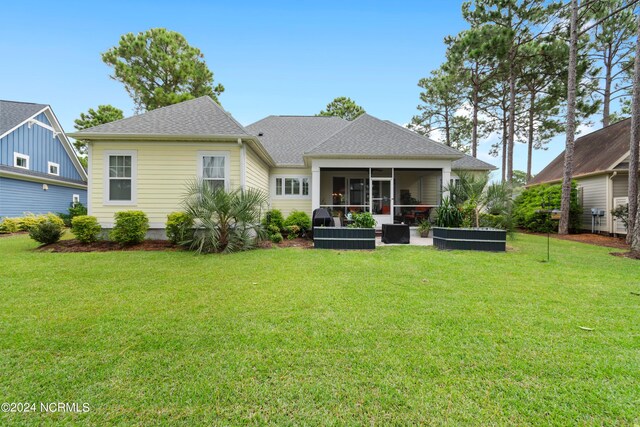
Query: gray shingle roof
(470, 163)
(369, 136)
(201, 116)
(12, 113)
(287, 138)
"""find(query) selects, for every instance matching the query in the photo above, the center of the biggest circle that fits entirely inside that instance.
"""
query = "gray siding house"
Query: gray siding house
(601, 169)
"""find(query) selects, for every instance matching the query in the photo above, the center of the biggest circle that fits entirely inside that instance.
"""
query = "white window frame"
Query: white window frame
(75, 199)
(227, 165)
(134, 177)
(291, 196)
(16, 156)
(56, 165)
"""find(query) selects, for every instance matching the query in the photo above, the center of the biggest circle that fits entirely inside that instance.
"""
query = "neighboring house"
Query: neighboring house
(601, 170)
(39, 169)
(302, 163)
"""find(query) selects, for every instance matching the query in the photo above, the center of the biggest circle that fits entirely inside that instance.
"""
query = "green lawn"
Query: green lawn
(402, 335)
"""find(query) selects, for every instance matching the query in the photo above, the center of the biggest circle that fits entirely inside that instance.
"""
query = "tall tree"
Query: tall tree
(343, 107)
(514, 24)
(158, 68)
(611, 47)
(633, 223)
(103, 114)
(565, 203)
(442, 103)
(466, 54)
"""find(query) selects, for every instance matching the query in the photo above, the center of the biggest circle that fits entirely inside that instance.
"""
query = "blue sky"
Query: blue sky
(273, 58)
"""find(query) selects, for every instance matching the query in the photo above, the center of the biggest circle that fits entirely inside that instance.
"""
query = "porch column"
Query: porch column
(446, 178)
(315, 187)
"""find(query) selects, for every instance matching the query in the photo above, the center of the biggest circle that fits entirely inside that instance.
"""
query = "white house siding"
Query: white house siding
(594, 195)
(256, 172)
(289, 204)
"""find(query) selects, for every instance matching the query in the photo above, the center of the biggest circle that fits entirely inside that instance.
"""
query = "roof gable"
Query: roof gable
(596, 152)
(370, 136)
(287, 138)
(13, 114)
(197, 117)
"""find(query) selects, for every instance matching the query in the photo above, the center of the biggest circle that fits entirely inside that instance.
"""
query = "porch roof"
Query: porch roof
(368, 136)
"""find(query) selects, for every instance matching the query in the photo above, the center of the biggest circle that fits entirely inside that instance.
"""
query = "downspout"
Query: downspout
(609, 216)
(243, 164)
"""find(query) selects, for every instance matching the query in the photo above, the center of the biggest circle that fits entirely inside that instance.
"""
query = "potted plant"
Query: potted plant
(424, 227)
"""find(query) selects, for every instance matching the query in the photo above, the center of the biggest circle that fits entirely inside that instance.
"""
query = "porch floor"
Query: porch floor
(414, 240)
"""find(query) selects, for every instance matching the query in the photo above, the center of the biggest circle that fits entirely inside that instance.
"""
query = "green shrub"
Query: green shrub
(363, 220)
(273, 218)
(621, 213)
(299, 219)
(502, 222)
(75, 209)
(179, 227)
(448, 215)
(293, 231)
(276, 238)
(529, 204)
(46, 232)
(130, 227)
(10, 225)
(85, 228)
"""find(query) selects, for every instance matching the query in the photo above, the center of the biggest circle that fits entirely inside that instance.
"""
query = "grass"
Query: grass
(402, 335)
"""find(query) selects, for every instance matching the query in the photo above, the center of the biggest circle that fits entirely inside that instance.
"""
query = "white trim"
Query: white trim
(90, 177)
(620, 160)
(66, 143)
(75, 198)
(16, 156)
(57, 166)
(134, 177)
(300, 196)
(227, 165)
(33, 121)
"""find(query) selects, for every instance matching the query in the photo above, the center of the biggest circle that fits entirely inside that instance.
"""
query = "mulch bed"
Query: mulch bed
(286, 243)
(106, 246)
(592, 239)
(19, 233)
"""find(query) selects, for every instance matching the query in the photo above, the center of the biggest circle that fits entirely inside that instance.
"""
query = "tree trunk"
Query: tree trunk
(505, 138)
(512, 119)
(447, 129)
(532, 105)
(565, 206)
(633, 228)
(607, 93)
(474, 129)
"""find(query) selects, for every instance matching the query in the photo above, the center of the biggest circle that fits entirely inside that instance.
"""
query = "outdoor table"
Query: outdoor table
(395, 233)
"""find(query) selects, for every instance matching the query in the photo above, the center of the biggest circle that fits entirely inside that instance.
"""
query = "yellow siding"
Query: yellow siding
(289, 205)
(163, 169)
(257, 172)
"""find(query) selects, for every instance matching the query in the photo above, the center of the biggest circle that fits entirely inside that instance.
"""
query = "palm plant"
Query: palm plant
(473, 193)
(226, 221)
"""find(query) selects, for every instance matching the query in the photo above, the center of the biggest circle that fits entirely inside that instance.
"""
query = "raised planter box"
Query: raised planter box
(473, 239)
(344, 238)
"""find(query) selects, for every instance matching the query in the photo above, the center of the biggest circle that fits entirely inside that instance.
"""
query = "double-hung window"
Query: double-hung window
(294, 186)
(120, 177)
(214, 170)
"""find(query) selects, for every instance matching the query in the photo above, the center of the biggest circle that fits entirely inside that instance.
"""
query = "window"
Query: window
(20, 160)
(292, 186)
(54, 168)
(75, 199)
(120, 176)
(214, 169)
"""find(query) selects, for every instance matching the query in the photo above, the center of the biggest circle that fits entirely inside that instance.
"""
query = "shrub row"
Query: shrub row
(25, 223)
(530, 206)
(297, 224)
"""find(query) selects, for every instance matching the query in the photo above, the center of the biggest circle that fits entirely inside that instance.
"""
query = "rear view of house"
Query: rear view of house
(39, 169)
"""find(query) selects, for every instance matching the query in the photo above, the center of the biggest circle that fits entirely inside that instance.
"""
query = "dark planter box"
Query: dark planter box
(474, 239)
(344, 238)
